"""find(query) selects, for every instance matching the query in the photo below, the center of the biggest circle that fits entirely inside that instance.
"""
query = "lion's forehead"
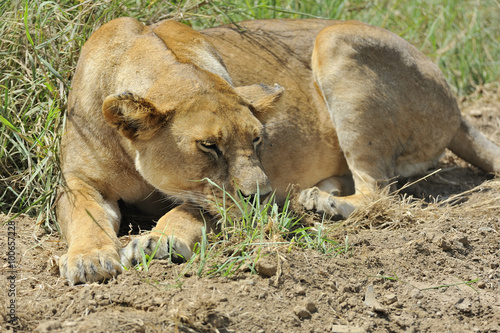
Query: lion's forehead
(236, 127)
(220, 129)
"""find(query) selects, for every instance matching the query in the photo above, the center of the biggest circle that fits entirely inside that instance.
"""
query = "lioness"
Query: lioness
(157, 110)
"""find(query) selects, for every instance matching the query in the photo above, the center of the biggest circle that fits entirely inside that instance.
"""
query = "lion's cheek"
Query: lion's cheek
(156, 170)
(162, 171)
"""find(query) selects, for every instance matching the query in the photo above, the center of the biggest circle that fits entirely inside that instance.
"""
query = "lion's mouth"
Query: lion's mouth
(257, 198)
(220, 203)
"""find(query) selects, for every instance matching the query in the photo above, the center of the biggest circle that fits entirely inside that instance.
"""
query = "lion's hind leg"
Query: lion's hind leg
(391, 108)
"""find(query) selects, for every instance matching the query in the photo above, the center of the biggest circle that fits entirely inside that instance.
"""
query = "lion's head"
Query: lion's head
(193, 125)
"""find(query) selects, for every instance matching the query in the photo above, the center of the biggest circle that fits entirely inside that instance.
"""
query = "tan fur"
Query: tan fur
(157, 110)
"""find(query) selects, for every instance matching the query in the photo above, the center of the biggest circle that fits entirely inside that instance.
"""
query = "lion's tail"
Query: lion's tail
(475, 148)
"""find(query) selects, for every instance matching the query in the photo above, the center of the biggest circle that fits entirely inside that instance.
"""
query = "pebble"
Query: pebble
(301, 312)
(300, 290)
(444, 244)
(481, 285)
(464, 305)
(310, 306)
(390, 299)
(464, 240)
(267, 266)
(416, 294)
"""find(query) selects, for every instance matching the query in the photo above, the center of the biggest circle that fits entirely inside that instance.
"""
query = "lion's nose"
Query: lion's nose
(250, 179)
(260, 187)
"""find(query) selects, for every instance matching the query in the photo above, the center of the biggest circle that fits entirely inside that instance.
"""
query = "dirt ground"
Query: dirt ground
(406, 271)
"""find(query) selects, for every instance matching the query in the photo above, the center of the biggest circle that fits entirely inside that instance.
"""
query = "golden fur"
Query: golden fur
(156, 110)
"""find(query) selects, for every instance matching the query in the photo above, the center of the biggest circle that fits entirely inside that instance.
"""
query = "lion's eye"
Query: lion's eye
(257, 141)
(210, 147)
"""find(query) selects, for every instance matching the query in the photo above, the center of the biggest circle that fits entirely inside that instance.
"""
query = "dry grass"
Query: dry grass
(396, 210)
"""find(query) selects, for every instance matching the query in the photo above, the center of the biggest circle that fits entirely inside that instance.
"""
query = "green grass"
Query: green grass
(40, 43)
(249, 230)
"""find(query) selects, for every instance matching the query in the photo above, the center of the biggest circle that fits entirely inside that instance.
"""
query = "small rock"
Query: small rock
(301, 312)
(267, 266)
(416, 294)
(351, 315)
(390, 299)
(463, 305)
(444, 244)
(464, 240)
(481, 285)
(310, 306)
(300, 291)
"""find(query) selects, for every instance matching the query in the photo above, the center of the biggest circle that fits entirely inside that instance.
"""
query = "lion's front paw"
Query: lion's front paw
(95, 265)
(156, 246)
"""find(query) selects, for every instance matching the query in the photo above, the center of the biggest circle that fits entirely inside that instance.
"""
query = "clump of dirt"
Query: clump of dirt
(411, 265)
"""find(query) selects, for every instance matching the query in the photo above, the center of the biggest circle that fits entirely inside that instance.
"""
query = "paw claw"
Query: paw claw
(92, 266)
(131, 255)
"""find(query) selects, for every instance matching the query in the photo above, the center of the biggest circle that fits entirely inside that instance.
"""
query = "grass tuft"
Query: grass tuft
(250, 230)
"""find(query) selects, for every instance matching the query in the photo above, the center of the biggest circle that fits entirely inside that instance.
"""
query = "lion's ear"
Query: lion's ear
(261, 96)
(133, 116)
